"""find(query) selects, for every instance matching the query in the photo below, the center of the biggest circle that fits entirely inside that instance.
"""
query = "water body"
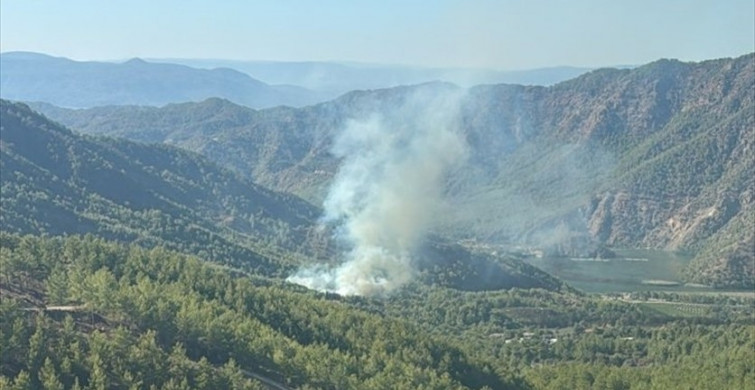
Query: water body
(631, 270)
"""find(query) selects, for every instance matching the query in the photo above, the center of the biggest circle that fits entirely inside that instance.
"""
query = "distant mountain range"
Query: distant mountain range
(75, 84)
(338, 78)
(28, 76)
(659, 156)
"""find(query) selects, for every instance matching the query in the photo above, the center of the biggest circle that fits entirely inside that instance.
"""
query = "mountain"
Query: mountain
(68, 83)
(88, 312)
(337, 78)
(670, 146)
(271, 147)
(59, 182)
(659, 156)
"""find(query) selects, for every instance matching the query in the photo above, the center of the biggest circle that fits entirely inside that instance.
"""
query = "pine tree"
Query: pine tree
(22, 381)
(48, 377)
(98, 378)
(37, 343)
(57, 286)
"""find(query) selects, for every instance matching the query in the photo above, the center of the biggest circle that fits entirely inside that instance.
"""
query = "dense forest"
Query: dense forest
(83, 312)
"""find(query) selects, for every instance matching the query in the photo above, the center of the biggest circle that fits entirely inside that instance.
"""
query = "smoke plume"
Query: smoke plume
(387, 191)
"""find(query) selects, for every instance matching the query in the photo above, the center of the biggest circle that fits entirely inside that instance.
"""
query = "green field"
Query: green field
(679, 309)
(631, 270)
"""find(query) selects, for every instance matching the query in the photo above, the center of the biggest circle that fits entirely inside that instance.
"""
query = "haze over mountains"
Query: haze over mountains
(76, 84)
(339, 78)
(63, 82)
(658, 157)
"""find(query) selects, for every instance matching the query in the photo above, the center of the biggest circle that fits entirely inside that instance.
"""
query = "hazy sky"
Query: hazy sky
(504, 34)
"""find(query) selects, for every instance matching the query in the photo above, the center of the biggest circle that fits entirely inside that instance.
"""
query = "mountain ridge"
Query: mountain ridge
(653, 146)
(81, 84)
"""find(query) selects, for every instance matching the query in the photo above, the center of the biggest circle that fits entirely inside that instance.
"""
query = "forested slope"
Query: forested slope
(88, 313)
(157, 318)
(56, 182)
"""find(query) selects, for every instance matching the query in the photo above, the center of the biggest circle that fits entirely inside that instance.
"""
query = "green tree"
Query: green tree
(57, 286)
(48, 376)
(37, 346)
(22, 381)
(98, 378)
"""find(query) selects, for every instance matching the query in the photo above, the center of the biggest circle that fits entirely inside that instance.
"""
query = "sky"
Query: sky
(503, 34)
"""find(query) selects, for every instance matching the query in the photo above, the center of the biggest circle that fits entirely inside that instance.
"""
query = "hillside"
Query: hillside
(665, 155)
(90, 313)
(656, 157)
(68, 83)
(138, 318)
(280, 148)
(58, 182)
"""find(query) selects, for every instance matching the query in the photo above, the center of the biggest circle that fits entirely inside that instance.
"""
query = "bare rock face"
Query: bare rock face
(626, 219)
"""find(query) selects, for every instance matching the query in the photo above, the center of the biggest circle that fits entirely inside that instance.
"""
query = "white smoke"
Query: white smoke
(387, 192)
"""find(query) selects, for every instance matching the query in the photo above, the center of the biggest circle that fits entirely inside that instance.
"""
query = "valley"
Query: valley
(611, 158)
(426, 236)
